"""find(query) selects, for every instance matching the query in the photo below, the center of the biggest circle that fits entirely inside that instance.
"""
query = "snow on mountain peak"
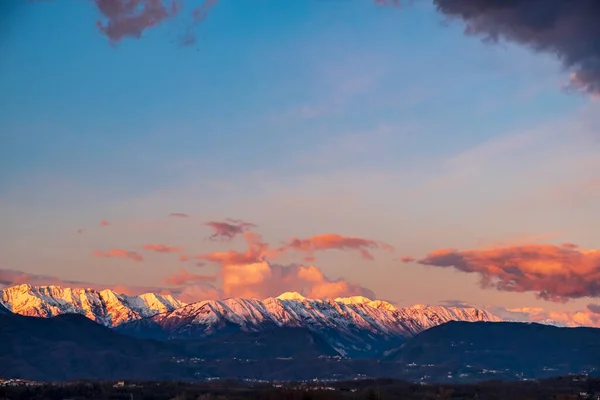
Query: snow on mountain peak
(352, 325)
(105, 307)
(382, 304)
(353, 300)
(291, 296)
(351, 317)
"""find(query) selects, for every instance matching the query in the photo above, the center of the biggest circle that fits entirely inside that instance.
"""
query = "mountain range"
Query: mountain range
(71, 347)
(353, 326)
(54, 333)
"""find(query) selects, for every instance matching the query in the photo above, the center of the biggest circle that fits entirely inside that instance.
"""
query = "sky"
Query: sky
(435, 152)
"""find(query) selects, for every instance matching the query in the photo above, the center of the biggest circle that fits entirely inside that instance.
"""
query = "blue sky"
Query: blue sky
(304, 117)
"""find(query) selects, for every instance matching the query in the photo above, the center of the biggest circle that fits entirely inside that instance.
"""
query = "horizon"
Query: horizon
(417, 153)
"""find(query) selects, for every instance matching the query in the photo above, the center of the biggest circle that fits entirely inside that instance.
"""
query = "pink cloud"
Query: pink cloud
(540, 315)
(130, 18)
(256, 251)
(227, 230)
(104, 223)
(118, 253)
(249, 273)
(407, 259)
(330, 241)
(162, 248)
(198, 292)
(183, 277)
(556, 273)
(263, 279)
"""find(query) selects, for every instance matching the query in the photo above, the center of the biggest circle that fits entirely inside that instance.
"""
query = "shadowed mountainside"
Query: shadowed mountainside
(69, 347)
(523, 347)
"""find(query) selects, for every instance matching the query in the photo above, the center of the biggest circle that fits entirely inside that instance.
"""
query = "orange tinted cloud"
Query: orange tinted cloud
(228, 229)
(330, 241)
(118, 253)
(256, 251)
(198, 292)
(162, 248)
(263, 279)
(407, 259)
(569, 318)
(250, 274)
(556, 273)
(183, 277)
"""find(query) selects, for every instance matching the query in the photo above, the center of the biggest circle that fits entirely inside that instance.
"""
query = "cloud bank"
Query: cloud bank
(556, 273)
(540, 315)
(251, 273)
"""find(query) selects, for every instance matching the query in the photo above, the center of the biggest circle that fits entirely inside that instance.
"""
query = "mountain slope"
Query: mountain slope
(72, 346)
(4, 310)
(105, 307)
(353, 326)
(526, 347)
(296, 343)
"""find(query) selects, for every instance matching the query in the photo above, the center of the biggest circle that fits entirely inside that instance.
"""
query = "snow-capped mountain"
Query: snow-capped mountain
(353, 325)
(558, 324)
(105, 307)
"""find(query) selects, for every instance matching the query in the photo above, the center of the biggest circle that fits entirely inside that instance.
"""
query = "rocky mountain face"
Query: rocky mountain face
(105, 307)
(354, 326)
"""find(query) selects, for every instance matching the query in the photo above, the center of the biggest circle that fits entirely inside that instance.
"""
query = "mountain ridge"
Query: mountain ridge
(105, 306)
(354, 326)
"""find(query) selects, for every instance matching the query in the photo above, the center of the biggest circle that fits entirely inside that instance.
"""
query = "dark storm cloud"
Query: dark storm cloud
(569, 29)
